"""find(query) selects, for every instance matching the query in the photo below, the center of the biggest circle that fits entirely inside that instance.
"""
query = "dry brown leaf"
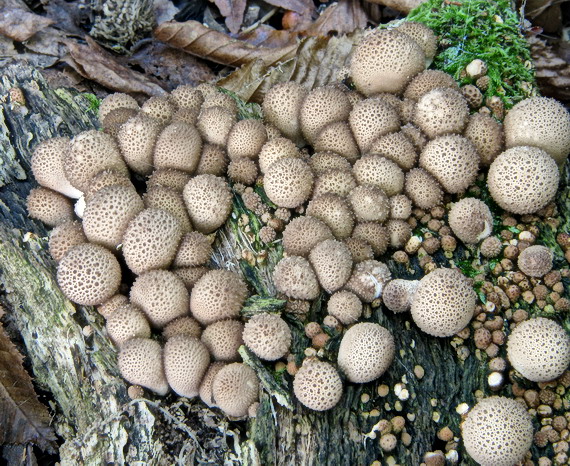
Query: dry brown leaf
(303, 7)
(198, 40)
(269, 37)
(405, 6)
(92, 62)
(552, 69)
(233, 11)
(342, 17)
(19, 24)
(23, 419)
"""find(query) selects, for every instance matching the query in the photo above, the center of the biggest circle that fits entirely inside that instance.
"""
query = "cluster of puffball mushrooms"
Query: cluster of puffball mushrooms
(343, 167)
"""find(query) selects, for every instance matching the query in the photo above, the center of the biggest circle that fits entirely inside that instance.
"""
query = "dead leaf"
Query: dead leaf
(405, 6)
(23, 419)
(343, 17)
(303, 7)
(552, 69)
(269, 37)
(233, 11)
(92, 62)
(19, 24)
(198, 40)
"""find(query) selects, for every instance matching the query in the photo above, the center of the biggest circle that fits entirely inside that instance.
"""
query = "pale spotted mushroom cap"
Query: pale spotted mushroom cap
(235, 389)
(317, 385)
(186, 360)
(294, 277)
(303, 233)
(332, 263)
(267, 336)
(223, 339)
(125, 323)
(140, 363)
(535, 261)
(368, 280)
(471, 220)
(398, 294)
(345, 306)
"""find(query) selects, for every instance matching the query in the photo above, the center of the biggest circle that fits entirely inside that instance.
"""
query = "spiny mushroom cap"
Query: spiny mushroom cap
(294, 277)
(151, 240)
(165, 198)
(215, 123)
(376, 235)
(332, 262)
(400, 207)
(186, 96)
(268, 336)
(47, 166)
(414, 134)
(453, 160)
(104, 179)
(213, 161)
(423, 189)
(65, 236)
(207, 89)
(108, 213)
(491, 247)
(288, 182)
(337, 137)
(381, 172)
(321, 162)
(159, 108)
(243, 170)
(219, 99)
(184, 325)
(235, 389)
(186, 360)
(209, 202)
(195, 249)
(223, 339)
(369, 203)
(185, 115)
(359, 249)
(523, 179)
(487, 135)
(125, 323)
(89, 153)
(335, 211)
(115, 101)
(368, 280)
(136, 139)
(168, 177)
(539, 122)
(441, 111)
(50, 207)
(385, 61)
(443, 303)
(423, 35)
(178, 146)
(427, 81)
(539, 348)
(281, 107)
(190, 275)
(274, 150)
(471, 220)
(366, 351)
(535, 261)
(317, 385)
(322, 106)
(497, 432)
(345, 306)
(113, 121)
(140, 363)
(205, 392)
(246, 139)
(396, 147)
(161, 295)
(393, 100)
(371, 119)
(303, 233)
(217, 295)
(398, 294)
(334, 181)
(112, 304)
(89, 274)
(399, 232)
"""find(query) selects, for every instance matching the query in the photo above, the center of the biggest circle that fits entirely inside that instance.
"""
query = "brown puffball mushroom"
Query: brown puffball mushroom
(444, 303)
(398, 294)
(223, 339)
(288, 182)
(498, 431)
(171, 200)
(381, 172)
(345, 306)
(539, 348)
(194, 249)
(160, 108)
(366, 351)
(281, 107)
(104, 179)
(423, 189)
(213, 161)
(399, 232)
(368, 280)
(338, 138)
(187, 96)
(423, 35)
(186, 360)
(427, 81)
(397, 147)
(322, 162)
(491, 247)
(113, 121)
(303, 233)
(539, 122)
(184, 325)
(487, 135)
(535, 261)
(178, 146)
(168, 178)
(294, 277)
(335, 211)
(206, 394)
(369, 203)
(214, 124)
(136, 139)
(190, 275)
(115, 101)
(243, 170)
(65, 236)
(400, 207)
(267, 336)
(50, 207)
(441, 111)
(209, 202)
(523, 179)
(334, 181)
(317, 385)
(107, 308)
(246, 139)
(125, 323)
(385, 61)
(220, 99)
(371, 119)
(89, 274)
(376, 235)
(359, 249)
(161, 295)
(332, 263)
(275, 150)
(235, 388)
(471, 220)
(140, 363)
(217, 295)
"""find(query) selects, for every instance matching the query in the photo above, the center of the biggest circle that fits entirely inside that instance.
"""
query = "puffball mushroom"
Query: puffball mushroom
(376, 235)
(184, 325)
(423, 189)
(366, 351)
(246, 139)
(423, 35)
(215, 123)
(50, 207)
(398, 294)
(206, 394)
(539, 348)
(381, 172)
(317, 385)
(115, 101)
(539, 122)
(187, 96)
(223, 339)
(303, 233)
(274, 150)
(441, 111)
(235, 388)
(267, 336)
(169, 178)
(281, 107)
(89, 274)
(471, 220)
(523, 179)
(125, 323)
(332, 263)
(140, 363)
(368, 280)
(371, 119)
(213, 161)
(535, 261)
(444, 303)
(335, 212)
(369, 203)
(345, 306)
(65, 236)
(397, 147)
(334, 181)
(194, 249)
(186, 360)
(487, 135)
(159, 108)
(136, 139)
(288, 182)
(427, 81)
(104, 179)
(338, 138)
(294, 277)
(322, 162)
(178, 146)
(497, 432)
(165, 198)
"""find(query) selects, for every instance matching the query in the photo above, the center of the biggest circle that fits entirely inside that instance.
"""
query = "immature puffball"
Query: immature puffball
(338, 138)
(159, 108)
(369, 203)
(205, 392)
(371, 119)
(335, 211)
(50, 207)
(235, 388)
(125, 323)
(302, 234)
(471, 220)
(214, 124)
(63, 237)
(223, 339)
(423, 189)
(368, 280)
(186, 360)
(317, 385)
(345, 306)
(184, 325)
(381, 172)
(441, 111)
(140, 363)
(398, 294)
(288, 182)
(178, 146)
(209, 202)
(267, 336)
(332, 263)
(194, 249)
(115, 101)
(162, 197)
(246, 139)
(136, 139)
(294, 277)
(275, 150)
(535, 261)
(281, 107)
